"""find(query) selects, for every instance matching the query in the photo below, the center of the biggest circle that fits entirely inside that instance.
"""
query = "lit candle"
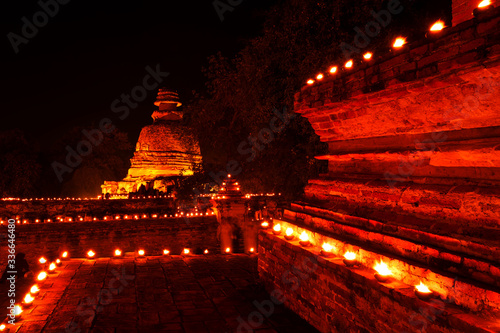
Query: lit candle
(3, 327)
(186, 251)
(326, 250)
(90, 254)
(141, 253)
(277, 229)
(28, 300)
(52, 268)
(118, 252)
(42, 276)
(264, 225)
(350, 258)
(42, 260)
(252, 250)
(399, 42)
(165, 252)
(64, 255)
(484, 3)
(383, 272)
(18, 311)
(289, 234)
(310, 81)
(438, 26)
(423, 292)
(206, 251)
(319, 76)
(228, 249)
(58, 262)
(333, 69)
(367, 55)
(349, 64)
(34, 290)
(304, 239)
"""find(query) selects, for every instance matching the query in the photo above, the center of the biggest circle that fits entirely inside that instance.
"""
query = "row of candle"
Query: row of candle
(383, 273)
(117, 217)
(398, 43)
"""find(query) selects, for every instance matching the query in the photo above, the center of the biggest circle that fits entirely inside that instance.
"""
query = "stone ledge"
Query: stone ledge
(336, 296)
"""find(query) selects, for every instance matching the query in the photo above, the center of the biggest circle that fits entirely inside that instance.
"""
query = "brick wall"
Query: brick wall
(153, 235)
(337, 298)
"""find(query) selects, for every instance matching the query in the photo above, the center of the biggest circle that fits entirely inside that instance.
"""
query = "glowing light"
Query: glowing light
(367, 55)
(252, 250)
(277, 228)
(289, 231)
(422, 288)
(229, 176)
(186, 251)
(333, 69)
(349, 64)
(2, 327)
(42, 260)
(382, 269)
(237, 189)
(118, 252)
(206, 251)
(319, 76)
(327, 247)
(304, 237)
(18, 310)
(350, 255)
(399, 42)
(34, 290)
(42, 276)
(438, 26)
(165, 252)
(228, 249)
(52, 267)
(65, 254)
(264, 224)
(484, 3)
(310, 81)
(141, 252)
(28, 299)
(90, 254)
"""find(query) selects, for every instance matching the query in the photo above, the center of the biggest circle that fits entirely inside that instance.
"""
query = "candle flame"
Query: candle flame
(277, 227)
(34, 289)
(58, 261)
(252, 249)
(333, 69)
(319, 76)
(166, 251)
(438, 26)
(382, 269)
(141, 252)
(310, 81)
(118, 252)
(350, 255)
(206, 251)
(18, 310)
(289, 231)
(399, 42)
(349, 64)
(228, 249)
(42, 260)
(304, 237)
(2, 327)
(422, 288)
(367, 55)
(65, 254)
(327, 247)
(52, 267)
(484, 3)
(28, 298)
(42, 276)
(265, 224)
(91, 253)
(186, 251)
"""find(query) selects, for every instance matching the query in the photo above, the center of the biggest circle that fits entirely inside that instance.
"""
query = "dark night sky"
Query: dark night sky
(93, 51)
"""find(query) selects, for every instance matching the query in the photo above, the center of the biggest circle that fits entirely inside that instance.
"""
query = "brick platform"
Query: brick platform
(213, 293)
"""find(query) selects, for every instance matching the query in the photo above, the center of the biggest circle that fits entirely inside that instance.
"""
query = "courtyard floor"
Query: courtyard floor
(212, 293)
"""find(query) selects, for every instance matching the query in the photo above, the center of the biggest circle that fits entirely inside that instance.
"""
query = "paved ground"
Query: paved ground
(215, 293)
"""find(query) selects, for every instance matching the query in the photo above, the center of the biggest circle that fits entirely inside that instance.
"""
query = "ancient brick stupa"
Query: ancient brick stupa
(166, 149)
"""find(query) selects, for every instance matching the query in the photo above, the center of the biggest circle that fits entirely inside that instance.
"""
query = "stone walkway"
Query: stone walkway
(213, 293)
